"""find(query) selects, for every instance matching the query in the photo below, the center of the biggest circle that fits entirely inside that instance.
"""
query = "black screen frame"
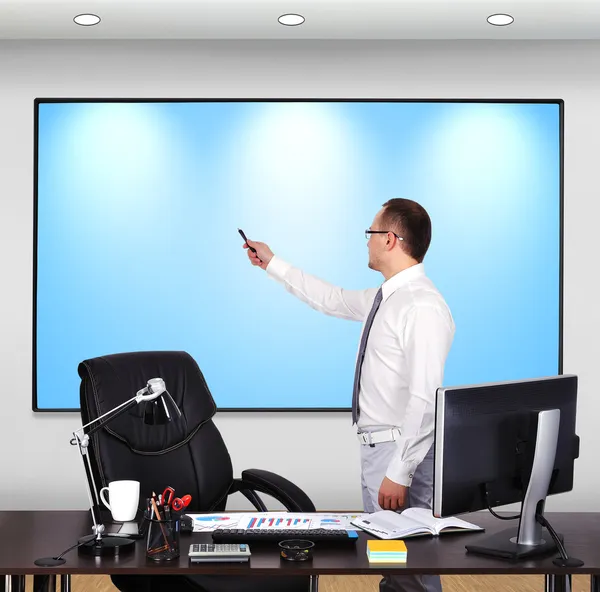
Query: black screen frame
(40, 100)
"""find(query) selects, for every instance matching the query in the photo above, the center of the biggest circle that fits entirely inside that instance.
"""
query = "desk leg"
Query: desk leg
(12, 583)
(65, 583)
(44, 583)
(314, 584)
(595, 583)
(556, 583)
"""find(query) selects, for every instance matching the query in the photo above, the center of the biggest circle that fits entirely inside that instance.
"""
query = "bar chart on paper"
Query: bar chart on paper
(278, 522)
(274, 521)
(210, 522)
(297, 521)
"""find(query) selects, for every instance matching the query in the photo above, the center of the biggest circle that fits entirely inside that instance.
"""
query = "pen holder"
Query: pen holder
(162, 542)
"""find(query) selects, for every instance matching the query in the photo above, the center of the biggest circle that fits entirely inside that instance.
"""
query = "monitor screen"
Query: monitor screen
(138, 202)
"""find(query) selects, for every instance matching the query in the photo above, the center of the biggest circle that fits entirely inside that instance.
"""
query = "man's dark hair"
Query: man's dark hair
(411, 221)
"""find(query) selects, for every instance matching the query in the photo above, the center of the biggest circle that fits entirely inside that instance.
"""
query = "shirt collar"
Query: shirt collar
(402, 277)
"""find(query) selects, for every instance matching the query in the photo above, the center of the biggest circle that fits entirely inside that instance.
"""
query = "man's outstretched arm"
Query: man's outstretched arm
(317, 293)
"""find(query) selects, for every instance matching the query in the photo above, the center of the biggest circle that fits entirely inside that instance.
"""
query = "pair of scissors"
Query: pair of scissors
(177, 503)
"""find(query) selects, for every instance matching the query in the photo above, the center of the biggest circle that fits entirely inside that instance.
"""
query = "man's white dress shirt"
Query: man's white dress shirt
(406, 351)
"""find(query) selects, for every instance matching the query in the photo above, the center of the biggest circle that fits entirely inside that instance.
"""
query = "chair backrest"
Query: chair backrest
(187, 453)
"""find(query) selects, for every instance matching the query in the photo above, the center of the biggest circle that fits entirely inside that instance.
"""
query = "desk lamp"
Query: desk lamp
(156, 412)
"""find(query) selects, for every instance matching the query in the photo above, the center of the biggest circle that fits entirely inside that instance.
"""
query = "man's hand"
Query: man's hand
(262, 256)
(392, 496)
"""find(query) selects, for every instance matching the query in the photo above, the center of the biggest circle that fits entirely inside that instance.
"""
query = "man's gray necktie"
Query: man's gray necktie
(361, 356)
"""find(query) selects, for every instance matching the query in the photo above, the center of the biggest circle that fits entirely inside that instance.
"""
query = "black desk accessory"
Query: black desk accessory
(296, 549)
(99, 544)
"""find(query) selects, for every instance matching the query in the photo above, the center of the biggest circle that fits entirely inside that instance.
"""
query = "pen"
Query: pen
(246, 240)
(162, 528)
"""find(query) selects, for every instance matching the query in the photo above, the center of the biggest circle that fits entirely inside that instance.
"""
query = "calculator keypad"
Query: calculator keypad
(218, 548)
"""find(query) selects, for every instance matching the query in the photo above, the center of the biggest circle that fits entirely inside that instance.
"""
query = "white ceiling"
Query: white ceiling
(325, 19)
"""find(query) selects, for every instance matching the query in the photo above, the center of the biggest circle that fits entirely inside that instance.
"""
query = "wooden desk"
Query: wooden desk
(27, 536)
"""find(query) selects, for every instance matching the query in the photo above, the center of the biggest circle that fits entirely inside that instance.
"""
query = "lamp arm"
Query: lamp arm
(154, 389)
(141, 396)
(82, 439)
(108, 417)
(92, 490)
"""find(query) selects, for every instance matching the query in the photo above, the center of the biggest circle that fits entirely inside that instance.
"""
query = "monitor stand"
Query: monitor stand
(505, 545)
(529, 539)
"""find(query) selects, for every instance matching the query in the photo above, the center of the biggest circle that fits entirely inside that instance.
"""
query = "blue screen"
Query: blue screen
(138, 206)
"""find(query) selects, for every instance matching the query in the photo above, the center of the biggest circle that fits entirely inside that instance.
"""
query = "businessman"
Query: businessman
(406, 336)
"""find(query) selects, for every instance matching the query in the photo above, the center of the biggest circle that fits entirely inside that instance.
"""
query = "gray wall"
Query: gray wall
(38, 468)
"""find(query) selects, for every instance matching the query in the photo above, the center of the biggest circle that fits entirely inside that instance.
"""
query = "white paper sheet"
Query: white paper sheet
(274, 520)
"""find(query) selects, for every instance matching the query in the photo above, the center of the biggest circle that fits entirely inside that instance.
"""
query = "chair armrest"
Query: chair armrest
(284, 491)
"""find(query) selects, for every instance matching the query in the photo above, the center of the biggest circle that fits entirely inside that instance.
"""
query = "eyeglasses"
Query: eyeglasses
(368, 232)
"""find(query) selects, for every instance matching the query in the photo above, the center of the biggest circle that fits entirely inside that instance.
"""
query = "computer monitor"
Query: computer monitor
(502, 443)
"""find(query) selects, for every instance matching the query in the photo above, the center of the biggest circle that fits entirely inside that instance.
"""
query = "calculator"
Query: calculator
(219, 552)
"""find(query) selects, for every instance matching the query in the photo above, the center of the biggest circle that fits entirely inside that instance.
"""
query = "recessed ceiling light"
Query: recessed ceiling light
(87, 20)
(291, 20)
(500, 20)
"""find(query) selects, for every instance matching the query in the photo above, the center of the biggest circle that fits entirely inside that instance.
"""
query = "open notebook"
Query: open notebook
(411, 522)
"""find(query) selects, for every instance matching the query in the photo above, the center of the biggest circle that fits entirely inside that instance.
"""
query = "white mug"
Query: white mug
(124, 499)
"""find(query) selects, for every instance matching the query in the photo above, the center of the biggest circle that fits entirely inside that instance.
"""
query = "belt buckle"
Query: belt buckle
(365, 438)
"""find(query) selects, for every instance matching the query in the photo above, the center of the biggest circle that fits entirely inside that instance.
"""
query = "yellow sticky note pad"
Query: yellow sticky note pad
(380, 546)
(386, 551)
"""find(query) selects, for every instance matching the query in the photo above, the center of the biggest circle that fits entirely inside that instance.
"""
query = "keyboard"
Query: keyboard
(257, 535)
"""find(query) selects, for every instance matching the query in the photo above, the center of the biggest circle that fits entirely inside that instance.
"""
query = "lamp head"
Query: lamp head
(159, 406)
(156, 386)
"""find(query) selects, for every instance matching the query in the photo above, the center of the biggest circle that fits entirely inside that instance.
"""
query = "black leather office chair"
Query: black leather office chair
(187, 454)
